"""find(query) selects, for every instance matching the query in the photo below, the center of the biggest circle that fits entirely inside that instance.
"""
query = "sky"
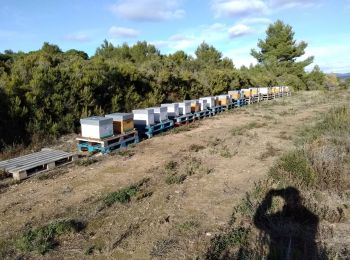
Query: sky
(231, 26)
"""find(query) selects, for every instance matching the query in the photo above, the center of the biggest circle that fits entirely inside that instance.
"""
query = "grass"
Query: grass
(125, 153)
(269, 152)
(124, 195)
(44, 239)
(195, 148)
(243, 129)
(86, 161)
(177, 173)
(162, 247)
(184, 128)
(318, 169)
(4, 175)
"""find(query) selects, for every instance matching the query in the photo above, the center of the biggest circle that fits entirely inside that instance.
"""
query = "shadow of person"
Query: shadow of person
(290, 232)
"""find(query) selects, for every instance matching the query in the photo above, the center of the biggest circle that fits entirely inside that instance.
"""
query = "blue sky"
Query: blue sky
(232, 26)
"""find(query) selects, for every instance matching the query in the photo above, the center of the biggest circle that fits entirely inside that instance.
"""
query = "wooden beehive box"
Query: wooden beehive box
(210, 101)
(203, 104)
(235, 94)
(265, 91)
(223, 100)
(185, 108)
(96, 127)
(122, 122)
(255, 91)
(195, 106)
(160, 114)
(143, 117)
(172, 109)
(247, 92)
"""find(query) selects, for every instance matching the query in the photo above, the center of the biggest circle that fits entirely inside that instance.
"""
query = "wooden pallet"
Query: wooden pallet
(184, 119)
(217, 109)
(239, 102)
(160, 127)
(28, 165)
(229, 106)
(202, 114)
(107, 145)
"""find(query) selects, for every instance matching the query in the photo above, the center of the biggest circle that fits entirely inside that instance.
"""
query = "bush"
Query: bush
(44, 238)
(294, 168)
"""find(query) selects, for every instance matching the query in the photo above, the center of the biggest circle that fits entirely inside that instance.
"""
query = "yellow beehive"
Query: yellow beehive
(254, 91)
(235, 94)
(195, 107)
(247, 92)
(122, 122)
(223, 100)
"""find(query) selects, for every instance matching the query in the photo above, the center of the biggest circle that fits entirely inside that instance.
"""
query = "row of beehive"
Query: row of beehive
(98, 127)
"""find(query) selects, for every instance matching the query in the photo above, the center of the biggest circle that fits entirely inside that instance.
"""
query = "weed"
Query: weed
(189, 225)
(162, 247)
(241, 130)
(44, 238)
(269, 152)
(225, 152)
(195, 148)
(294, 168)
(125, 153)
(175, 179)
(220, 243)
(89, 250)
(171, 166)
(184, 128)
(124, 195)
(86, 161)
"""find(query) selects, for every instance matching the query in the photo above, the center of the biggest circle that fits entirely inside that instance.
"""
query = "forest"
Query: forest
(44, 93)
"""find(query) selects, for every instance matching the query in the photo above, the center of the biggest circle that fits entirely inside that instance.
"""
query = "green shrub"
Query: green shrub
(44, 238)
(294, 168)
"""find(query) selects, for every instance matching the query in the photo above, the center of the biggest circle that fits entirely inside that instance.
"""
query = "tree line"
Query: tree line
(44, 93)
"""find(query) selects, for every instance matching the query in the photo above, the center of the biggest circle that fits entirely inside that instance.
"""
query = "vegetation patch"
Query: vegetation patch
(44, 239)
(86, 161)
(162, 247)
(124, 195)
(243, 129)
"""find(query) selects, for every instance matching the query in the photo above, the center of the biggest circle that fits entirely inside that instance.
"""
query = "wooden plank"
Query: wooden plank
(23, 160)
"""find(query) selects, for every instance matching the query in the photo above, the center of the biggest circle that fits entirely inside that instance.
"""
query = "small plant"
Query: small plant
(175, 179)
(171, 166)
(124, 195)
(162, 247)
(242, 129)
(269, 152)
(225, 152)
(4, 174)
(86, 161)
(125, 153)
(189, 225)
(44, 238)
(196, 148)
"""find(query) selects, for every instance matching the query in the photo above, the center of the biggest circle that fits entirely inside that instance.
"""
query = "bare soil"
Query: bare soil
(176, 221)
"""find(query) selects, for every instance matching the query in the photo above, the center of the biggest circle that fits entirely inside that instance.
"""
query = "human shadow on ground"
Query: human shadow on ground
(291, 231)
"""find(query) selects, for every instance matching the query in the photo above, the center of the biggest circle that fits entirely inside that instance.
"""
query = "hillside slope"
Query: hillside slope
(179, 188)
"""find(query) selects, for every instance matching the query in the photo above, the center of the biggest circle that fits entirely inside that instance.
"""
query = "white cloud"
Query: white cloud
(330, 57)
(177, 42)
(238, 8)
(123, 32)
(292, 3)
(77, 37)
(240, 56)
(239, 30)
(148, 10)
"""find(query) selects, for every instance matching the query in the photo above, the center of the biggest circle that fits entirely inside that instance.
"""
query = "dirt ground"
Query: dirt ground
(169, 221)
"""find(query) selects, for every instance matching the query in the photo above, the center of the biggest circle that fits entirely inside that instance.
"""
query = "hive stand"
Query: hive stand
(202, 114)
(184, 119)
(28, 165)
(107, 145)
(217, 109)
(160, 127)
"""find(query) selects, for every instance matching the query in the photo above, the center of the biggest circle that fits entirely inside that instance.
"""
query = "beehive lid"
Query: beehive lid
(120, 116)
(160, 109)
(96, 120)
(143, 111)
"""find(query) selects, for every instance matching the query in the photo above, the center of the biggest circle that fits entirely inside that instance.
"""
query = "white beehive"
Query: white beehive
(210, 101)
(172, 109)
(203, 103)
(160, 114)
(265, 91)
(224, 100)
(96, 127)
(143, 117)
(185, 108)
